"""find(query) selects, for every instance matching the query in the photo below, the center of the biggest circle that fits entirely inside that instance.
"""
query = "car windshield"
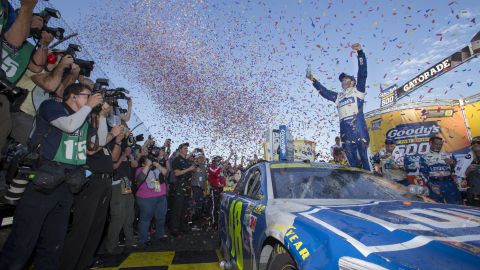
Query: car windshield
(339, 183)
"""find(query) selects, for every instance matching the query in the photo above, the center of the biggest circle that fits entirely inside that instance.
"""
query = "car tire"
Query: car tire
(280, 259)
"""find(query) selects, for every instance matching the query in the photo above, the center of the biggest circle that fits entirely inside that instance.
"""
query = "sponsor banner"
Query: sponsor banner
(304, 150)
(388, 96)
(431, 73)
(412, 128)
(458, 58)
(472, 113)
(283, 142)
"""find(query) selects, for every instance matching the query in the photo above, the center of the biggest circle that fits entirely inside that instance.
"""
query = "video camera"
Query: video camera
(86, 66)
(46, 14)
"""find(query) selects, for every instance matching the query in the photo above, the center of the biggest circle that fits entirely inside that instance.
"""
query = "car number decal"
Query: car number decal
(235, 232)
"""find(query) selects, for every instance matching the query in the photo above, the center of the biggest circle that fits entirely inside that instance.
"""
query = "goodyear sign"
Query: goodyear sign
(304, 150)
(412, 129)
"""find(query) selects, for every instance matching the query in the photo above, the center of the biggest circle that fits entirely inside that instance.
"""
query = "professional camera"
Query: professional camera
(153, 152)
(132, 140)
(46, 14)
(109, 95)
(15, 95)
(86, 66)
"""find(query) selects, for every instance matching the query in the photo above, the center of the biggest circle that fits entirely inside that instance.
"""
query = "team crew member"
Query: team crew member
(41, 218)
(436, 168)
(391, 163)
(353, 128)
(91, 203)
(217, 182)
(183, 169)
(468, 173)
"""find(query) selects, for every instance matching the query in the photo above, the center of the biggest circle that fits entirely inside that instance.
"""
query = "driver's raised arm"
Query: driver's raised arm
(362, 71)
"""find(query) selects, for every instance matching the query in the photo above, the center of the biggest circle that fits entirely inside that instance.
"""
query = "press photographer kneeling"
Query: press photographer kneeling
(41, 218)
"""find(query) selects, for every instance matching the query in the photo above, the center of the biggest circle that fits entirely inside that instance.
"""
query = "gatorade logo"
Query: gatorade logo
(415, 130)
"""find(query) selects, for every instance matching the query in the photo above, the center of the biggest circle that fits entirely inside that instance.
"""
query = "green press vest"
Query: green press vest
(73, 147)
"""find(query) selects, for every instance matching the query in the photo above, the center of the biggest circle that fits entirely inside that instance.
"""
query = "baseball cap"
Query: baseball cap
(343, 75)
(390, 141)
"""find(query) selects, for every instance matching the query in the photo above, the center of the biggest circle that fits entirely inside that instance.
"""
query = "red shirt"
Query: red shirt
(214, 177)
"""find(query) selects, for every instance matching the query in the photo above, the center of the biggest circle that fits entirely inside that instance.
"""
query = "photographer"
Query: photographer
(151, 198)
(91, 203)
(16, 30)
(24, 117)
(183, 170)
(199, 179)
(56, 78)
(41, 218)
(122, 204)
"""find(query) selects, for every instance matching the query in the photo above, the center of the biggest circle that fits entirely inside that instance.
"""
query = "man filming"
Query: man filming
(353, 128)
(41, 218)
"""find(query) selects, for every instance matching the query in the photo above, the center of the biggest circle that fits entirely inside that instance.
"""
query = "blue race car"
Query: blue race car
(324, 216)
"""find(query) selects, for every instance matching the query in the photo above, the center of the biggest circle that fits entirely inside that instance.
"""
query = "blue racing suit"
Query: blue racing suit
(353, 128)
(439, 177)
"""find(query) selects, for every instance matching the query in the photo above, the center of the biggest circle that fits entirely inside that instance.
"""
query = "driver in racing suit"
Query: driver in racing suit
(353, 128)
(436, 168)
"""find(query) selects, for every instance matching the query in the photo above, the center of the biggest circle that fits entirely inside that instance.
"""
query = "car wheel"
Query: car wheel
(280, 259)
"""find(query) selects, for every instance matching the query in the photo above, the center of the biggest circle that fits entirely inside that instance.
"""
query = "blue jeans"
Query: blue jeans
(149, 208)
(355, 150)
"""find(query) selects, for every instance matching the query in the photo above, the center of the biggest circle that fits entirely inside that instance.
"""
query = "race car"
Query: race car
(325, 216)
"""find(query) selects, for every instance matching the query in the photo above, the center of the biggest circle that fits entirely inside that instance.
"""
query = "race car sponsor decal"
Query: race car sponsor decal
(259, 209)
(252, 223)
(428, 224)
(294, 242)
(235, 232)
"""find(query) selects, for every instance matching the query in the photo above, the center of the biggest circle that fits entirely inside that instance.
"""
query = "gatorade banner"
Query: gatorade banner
(447, 64)
(304, 150)
(472, 114)
(412, 128)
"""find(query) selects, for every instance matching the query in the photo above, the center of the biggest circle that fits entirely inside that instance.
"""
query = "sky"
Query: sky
(220, 73)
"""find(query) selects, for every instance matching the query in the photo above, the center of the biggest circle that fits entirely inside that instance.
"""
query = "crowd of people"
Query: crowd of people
(72, 165)
(439, 175)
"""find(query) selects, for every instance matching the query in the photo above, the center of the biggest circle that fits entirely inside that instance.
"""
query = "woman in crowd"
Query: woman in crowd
(151, 199)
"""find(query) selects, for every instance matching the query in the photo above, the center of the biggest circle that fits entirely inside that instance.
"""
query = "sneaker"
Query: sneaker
(116, 251)
(196, 228)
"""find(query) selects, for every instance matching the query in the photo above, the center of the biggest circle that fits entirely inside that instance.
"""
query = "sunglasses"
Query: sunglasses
(475, 142)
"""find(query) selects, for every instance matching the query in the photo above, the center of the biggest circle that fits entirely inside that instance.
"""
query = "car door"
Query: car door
(246, 215)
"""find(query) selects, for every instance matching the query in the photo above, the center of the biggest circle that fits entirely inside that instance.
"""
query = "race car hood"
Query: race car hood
(390, 233)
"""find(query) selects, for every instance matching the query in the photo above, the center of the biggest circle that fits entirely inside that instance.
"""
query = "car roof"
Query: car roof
(300, 164)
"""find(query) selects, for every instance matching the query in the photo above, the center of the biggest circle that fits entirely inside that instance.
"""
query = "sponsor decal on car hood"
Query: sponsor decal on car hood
(394, 234)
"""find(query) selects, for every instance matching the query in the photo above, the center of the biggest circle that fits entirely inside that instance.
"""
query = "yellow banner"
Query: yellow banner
(472, 113)
(304, 150)
(412, 128)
